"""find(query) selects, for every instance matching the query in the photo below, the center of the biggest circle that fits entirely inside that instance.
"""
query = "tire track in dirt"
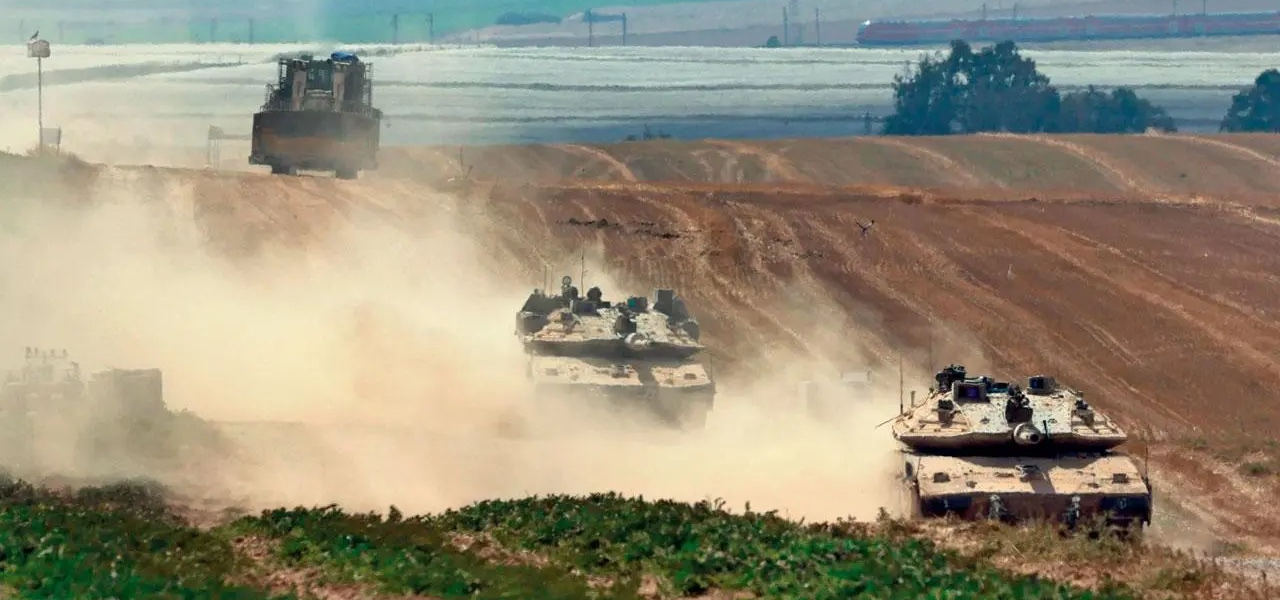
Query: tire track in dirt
(730, 293)
(1155, 292)
(958, 174)
(801, 277)
(1172, 282)
(958, 294)
(1116, 176)
(776, 164)
(1235, 148)
(600, 155)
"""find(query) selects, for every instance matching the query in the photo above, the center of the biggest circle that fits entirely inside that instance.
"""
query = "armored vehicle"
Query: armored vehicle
(827, 399)
(48, 411)
(630, 355)
(319, 115)
(981, 448)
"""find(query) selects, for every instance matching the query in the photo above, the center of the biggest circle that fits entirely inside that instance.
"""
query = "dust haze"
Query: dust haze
(379, 366)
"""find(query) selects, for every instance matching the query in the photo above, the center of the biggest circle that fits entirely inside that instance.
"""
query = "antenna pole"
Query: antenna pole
(583, 280)
(930, 366)
(899, 384)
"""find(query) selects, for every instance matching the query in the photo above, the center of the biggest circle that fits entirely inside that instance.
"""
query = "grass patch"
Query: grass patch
(398, 556)
(605, 545)
(117, 541)
(122, 541)
(1258, 469)
(1104, 561)
(1254, 457)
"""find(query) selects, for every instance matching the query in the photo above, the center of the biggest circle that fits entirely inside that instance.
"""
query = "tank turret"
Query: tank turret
(978, 447)
(617, 352)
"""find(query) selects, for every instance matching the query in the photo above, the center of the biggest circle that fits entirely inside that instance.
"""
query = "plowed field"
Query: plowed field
(1142, 269)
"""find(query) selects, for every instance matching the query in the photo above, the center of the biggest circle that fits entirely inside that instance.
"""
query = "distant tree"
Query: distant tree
(1004, 91)
(1120, 112)
(997, 89)
(1256, 108)
(773, 42)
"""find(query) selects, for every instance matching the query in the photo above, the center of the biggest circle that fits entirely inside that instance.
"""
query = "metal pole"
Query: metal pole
(590, 30)
(40, 103)
(624, 29)
(251, 31)
(817, 27)
(786, 27)
(395, 28)
(431, 28)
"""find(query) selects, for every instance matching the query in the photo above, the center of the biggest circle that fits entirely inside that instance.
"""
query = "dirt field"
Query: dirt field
(1141, 270)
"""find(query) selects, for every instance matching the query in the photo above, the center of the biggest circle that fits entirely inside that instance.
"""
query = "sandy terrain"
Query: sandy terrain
(1140, 269)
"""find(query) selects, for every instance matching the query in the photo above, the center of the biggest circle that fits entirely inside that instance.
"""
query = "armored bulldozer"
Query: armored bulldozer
(981, 448)
(49, 412)
(319, 115)
(629, 355)
(829, 399)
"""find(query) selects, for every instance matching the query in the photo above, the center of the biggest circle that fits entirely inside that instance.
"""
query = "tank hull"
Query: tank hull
(1064, 489)
(287, 140)
(680, 393)
(999, 442)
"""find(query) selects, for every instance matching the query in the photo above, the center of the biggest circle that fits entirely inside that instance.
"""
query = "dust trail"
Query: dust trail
(381, 368)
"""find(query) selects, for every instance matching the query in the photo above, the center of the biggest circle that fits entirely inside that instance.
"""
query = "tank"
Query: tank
(631, 355)
(49, 412)
(319, 115)
(981, 448)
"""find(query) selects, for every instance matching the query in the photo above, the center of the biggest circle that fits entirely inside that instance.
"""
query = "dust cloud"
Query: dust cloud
(380, 366)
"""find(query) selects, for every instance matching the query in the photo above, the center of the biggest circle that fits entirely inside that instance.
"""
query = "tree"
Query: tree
(997, 89)
(1256, 108)
(1120, 112)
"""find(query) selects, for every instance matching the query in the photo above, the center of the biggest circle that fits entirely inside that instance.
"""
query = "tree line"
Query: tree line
(996, 89)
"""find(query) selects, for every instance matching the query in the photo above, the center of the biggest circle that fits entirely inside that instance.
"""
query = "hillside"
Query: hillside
(1139, 269)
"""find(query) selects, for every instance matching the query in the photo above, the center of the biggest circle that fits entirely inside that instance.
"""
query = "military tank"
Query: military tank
(981, 448)
(629, 355)
(50, 412)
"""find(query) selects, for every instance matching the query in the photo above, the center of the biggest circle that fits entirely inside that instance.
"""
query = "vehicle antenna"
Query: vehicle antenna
(582, 281)
(899, 384)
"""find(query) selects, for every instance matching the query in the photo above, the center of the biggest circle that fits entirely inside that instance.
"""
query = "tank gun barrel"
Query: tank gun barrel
(1026, 434)
(637, 341)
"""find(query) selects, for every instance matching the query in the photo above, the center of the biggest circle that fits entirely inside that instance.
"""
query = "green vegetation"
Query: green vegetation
(115, 541)
(123, 540)
(559, 544)
(1256, 108)
(997, 89)
(1254, 457)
